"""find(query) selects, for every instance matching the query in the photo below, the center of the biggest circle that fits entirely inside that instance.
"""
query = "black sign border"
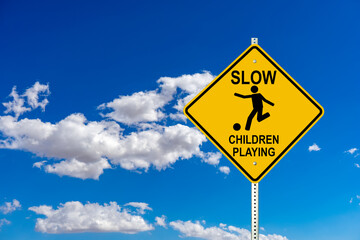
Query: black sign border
(218, 144)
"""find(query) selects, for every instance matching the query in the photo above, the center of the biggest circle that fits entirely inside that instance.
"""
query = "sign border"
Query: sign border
(297, 138)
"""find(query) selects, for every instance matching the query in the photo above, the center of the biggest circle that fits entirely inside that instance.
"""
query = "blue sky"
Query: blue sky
(93, 128)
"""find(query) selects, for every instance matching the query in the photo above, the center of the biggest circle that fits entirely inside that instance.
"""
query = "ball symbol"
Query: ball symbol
(236, 126)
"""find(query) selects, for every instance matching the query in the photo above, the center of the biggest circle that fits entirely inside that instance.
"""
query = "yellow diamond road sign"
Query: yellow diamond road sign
(254, 112)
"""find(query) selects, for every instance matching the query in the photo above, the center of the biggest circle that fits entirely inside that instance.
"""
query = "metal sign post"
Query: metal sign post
(254, 197)
(254, 211)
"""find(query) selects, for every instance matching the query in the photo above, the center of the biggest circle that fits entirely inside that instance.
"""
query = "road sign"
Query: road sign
(254, 112)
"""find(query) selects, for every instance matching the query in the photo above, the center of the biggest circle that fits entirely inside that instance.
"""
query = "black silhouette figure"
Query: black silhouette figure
(257, 100)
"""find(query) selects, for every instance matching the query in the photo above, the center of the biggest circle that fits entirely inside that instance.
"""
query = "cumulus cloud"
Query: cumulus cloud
(138, 107)
(74, 139)
(196, 229)
(212, 158)
(39, 164)
(224, 169)
(160, 148)
(75, 217)
(161, 221)
(74, 168)
(189, 86)
(36, 92)
(314, 147)
(148, 106)
(3, 222)
(80, 148)
(16, 106)
(351, 150)
(357, 165)
(19, 105)
(87, 147)
(9, 207)
(140, 206)
(223, 232)
(222, 225)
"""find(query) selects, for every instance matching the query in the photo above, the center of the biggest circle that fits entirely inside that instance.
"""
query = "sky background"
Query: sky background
(99, 86)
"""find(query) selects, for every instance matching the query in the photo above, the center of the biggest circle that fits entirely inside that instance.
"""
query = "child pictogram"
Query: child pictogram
(257, 101)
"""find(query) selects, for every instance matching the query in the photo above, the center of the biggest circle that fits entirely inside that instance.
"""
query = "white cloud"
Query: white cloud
(262, 228)
(222, 225)
(212, 158)
(224, 169)
(161, 221)
(244, 233)
(83, 149)
(39, 164)
(351, 200)
(314, 147)
(352, 150)
(87, 146)
(196, 229)
(9, 207)
(3, 222)
(140, 206)
(159, 148)
(139, 107)
(272, 237)
(357, 165)
(17, 105)
(79, 142)
(75, 217)
(148, 106)
(190, 85)
(32, 94)
(74, 168)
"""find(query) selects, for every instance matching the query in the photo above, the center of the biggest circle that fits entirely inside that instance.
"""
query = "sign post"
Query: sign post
(254, 197)
(254, 112)
(254, 211)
